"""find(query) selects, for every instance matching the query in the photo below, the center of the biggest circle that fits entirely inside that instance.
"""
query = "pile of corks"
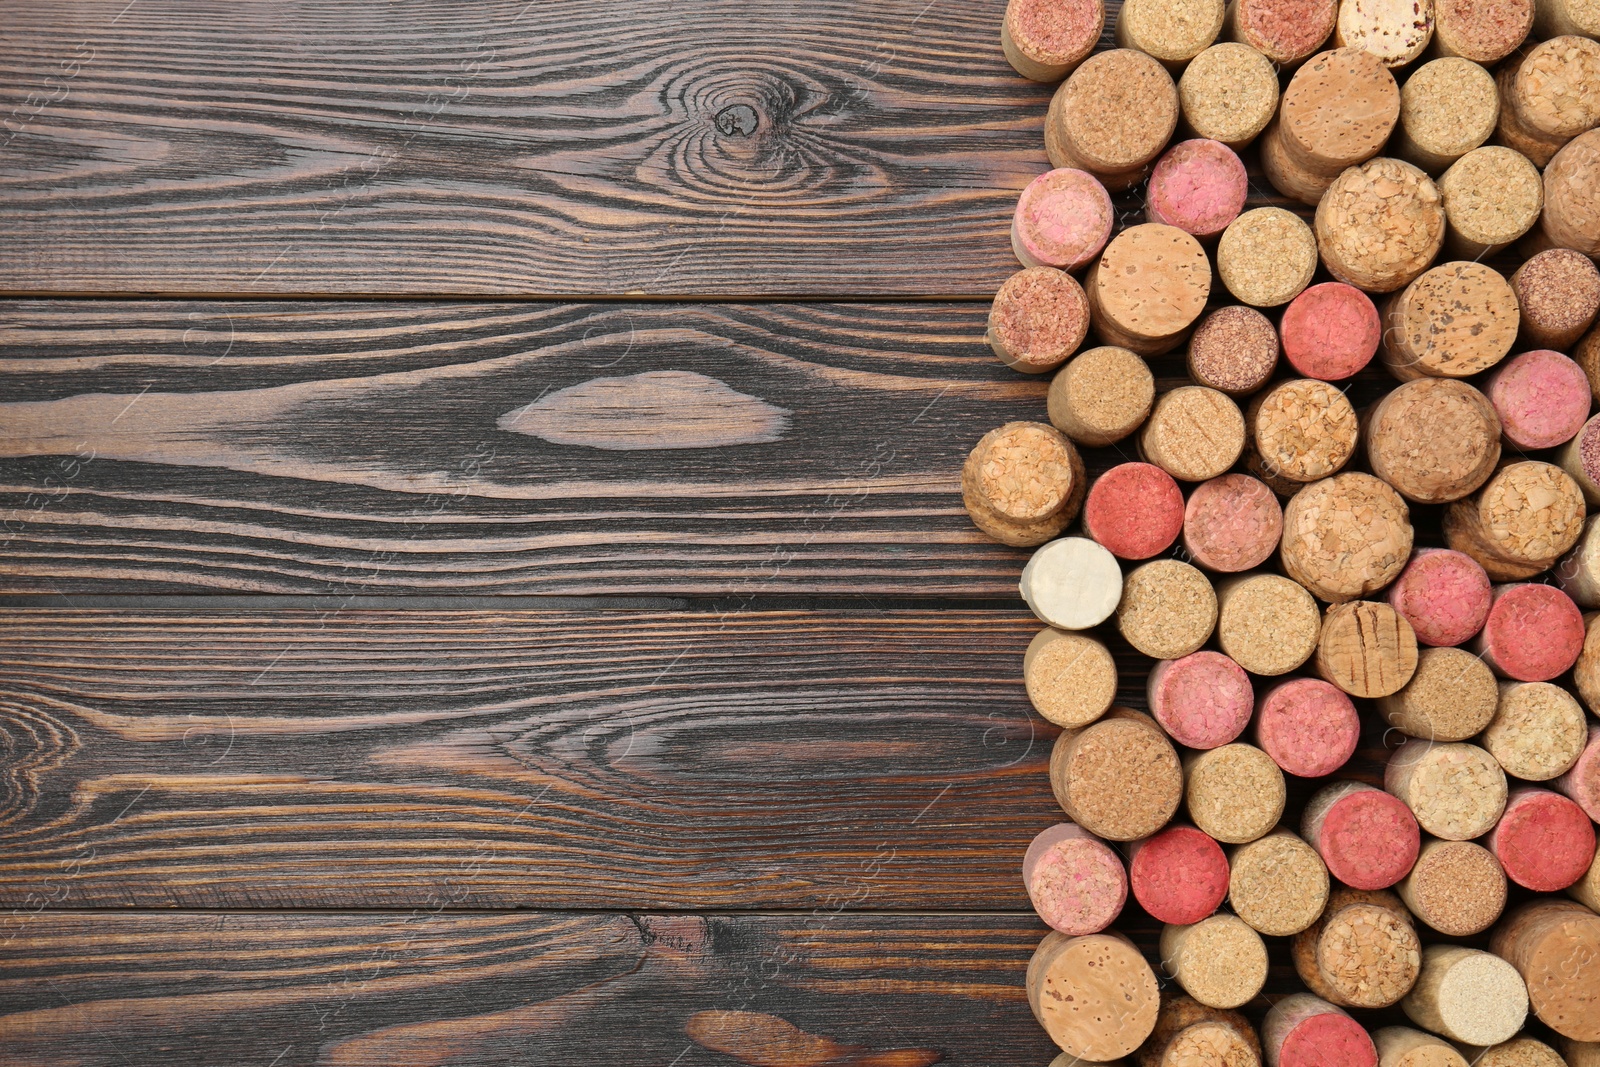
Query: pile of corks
(1299, 541)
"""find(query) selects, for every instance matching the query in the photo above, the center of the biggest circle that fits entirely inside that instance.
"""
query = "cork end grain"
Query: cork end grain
(1380, 224)
(1456, 887)
(1202, 700)
(1542, 398)
(1070, 678)
(1538, 731)
(1572, 196)
(1234, 793)
(1544, 841)
(1063, 219)
(1558, 291)
(1232, 523)
(1444, 595)
(1267, 623)
(1468, 996)
(1053, 34)
(1456, 791)
(1191, 1034)
(1234, 350)
(1434, 440)
(1198, 186)
(1075, 882)
(1338, 109)
(1194, 433)
(1581, 783)
(1038, 319)
(1135, 510)
(1285, 31)
(1168, 609)
(1483, 32)
(1555, 946)
(1368, 838)
(1150, 284)
(1557, 87)
(1173, 31)
(1454, 321)
(1492, 196)
(1451, 697)
(1023, 483)
(1447, 108)
(1401, 1046)
(1309, 727)
(1363, 953)
(1278, 884)
(1101, 396)
(1303, 430)
(1095, 996)
(1117, 111)
(1331, 331)
(1534, 633)
(1220, 961)
(1519, 1052)
(1267, 256)
(1302, 1030)
(1527, 516)
(1346, 536)
(1228, 93)
(1119, 778)
(1395, 31)
(1179, 875)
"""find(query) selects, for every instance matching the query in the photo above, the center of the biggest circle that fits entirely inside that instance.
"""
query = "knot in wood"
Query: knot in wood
(738, 120)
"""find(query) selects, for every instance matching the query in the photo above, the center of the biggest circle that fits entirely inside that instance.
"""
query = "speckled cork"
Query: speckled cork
(1555, 946)
(1521, 522)
(1302, 429)
(1401, 1046)
(1455, 887)
(1101, 396)
(1380, 225)
(1235, 793)
(1447, 108)
(1492, 196)
(1444, 595)
(1038, 319)
(1309, 727)
(1454, 321)
(1190, 1033)
(1219, 961)
(1285, 31)
(1202, 699)
(1533, 633)
(1070, 678)
(1023, 483)
(1232, 523)
(1267, 256)
(1179, 875)
(1509, 130)
(1135, 510)
(1330, 331)
(1072, 583)
(1581, 783)
(1173, 31)
(1544, 841)
(1233, 350)
(1542, 398)
(1482, 32)
(1063, 219)
(1368, 839)
(1558, 291)
(1095, 995)
(1168, 609)
(1556, 18)
(1467, 995)
(1278, 884)
(1346, 536)
(1556, 88)
(1571, 216)
(1518, 1052)
(1451, 697)
(1193, 433)
(1303, 1030)
(1338, 110)
(1199, 186)
(1044, 40)
(1538, 731)
(1363, 952)
(1395, 31)
(1148, 288)
(1456, 790)
(1580, 458)
(1228, 93)
(1118, 778)
(1075, 881)
(1112, 116)
(1267, 623)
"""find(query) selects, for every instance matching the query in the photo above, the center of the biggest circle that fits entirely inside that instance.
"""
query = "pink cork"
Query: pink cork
(1304, 1031)
(1179, 876)
(1542, 398)
(1581, 784)
(1443, 594)
(1135, 510)
(1533, 633)
(1544, 841)
(1075, 880)
(1057, 27)
(1330, 331)
(1368, 838)
(1232, 523)
(1199, 186)
(1286, 31)
(1063, 220)
(1309, 727)
(1202, 700)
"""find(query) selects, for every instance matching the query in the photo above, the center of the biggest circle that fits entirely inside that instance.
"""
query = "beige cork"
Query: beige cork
(1395, 31)
(1266, 623)
(1380, 225)
(1287, 176)
(1518, 1052)
(1580, 457)
(1510, 131)
(1521, 522)
(1571, 216)
(1556, 89)
(1578, 573)
(1278, 884)
(1555, 946)
(1401, 1046)
(1338, 110)
(1233, 350)
(1492, 196)
(1024, 483)
(1044, 40)
(1366, 648)
(1220, 961)
(1557, 18)
(1447, 108)
(1586, 673)
(1173, 31)
(1433, 439)
(1586, 890)
(1118, 778)
(1451, 697)
(1455, 887)
(1286, 33)
(1148, 287)
(1071, 678)
(1346, 536)
(1228, 93)
(1538, 731)
(1303, 429)
(1168, 609)
(1457, 791)
(1456, 320)
(1558, 291)
(1038, 319)
(1362, 952)
(1095, 995)
(1193, 433)
(1267, 256)
(1467, 995)
(1113, 116)
(1235, 793)
(1101, 396)
(1191, 1034)
(1482, 32)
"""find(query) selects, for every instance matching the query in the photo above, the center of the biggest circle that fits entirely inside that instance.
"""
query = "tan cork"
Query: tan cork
(1095, 995)
(1148, 287)
(1113, 116)
(1286, 175)
(1467, 995)
(1580, 457)
(1456, 320)
(1492, 196)
(1235, 793)
(1455, 887)
(1556, 89)
(1266, 623)
(1457, 791)
(1362, 952)
(1511, 132)
(1193, 433)
(1267, 256)
(1346, 536)
(1173, 31)
(1395, 31)
(1483, 32)
(1433, 439)
(1038, 319)
(1338, 110)
(1380, 225)
(1451, 697)
(1278, 884)
(1555, 946)
(1538, 731)
(1102, 396)
(1401, 1046)
(1558, 291)
(1521, 522)
(1586, 890)
(1024, 483)
(1578, 573)
(1168, 609)
(1233, 350)
(1044, 40)
(1220, 961)
(1228, 93)
(1556, 18)
(1518, 1052)
(1366, 648)
(1070, 677)
(1189, 1034)
(1447, 108)
(1303, 429)
(1571, 216)
(1118, 778)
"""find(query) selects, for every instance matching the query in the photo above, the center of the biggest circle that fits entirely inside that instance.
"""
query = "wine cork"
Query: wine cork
(1395, 31)
(1331, 331)
(1023, 484)
(1219, 961)
(1101, 396)
(1533, 633)
(1135, 510)
(1571, 216)
(1203, 699)
(1074, 880)
(1510, 131)
(1558, 291)
(1118, 778)
(1578, 573)
(1063, 219)
(1190, 1033)
(1580, 458)
(1555, 946)
(1451, 697)
(1178, 875)
(1492, 196)
(1338, 110)
(1587, 889)
(1454, 321)
(1483, 33)
(1444, 595)
(1235, 793)
(1234, 350)
(1581, 782)
(1556, 88)
(1112, 116)
(1455, 887)
(1538, 731)
(1268, 624)
(1193, 433)
(1456, 791)
(1278, 884)
(1518, 1052)
(1199, 186)
(1556, 18)
(1070, 678)
(1302, 1030)
(1228, 93)
(1038, 319)
(1095, 995)
(1346, 536)
(1362, 952)
(1368, 839)
(1447, 108)
(1401, 1046)
(1467, 995)
(1521, 522)
(1168, 609)
(1267, 257)
(1044, 40)
(1148, 288)
(1366, 648)
(1072, 584)
(1285, 31)
(1544, 841)
(1380, 225)
(1173, 31)
(1232, 523)
(1309, 727)
(1302, 430)
(1542, 398)
(1286, 174)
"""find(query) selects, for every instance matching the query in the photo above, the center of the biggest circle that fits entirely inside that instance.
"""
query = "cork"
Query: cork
(1380, 225)
(1118, 778)
(1101, 396)
(1193, 433)
(1362, 952)
(1198, 185)
(1219, 961)
(1581, 782)
(1228, 93)
(1456, 320)
(1451, 697)
(1555, 946)
(1395, 31)
(1368, 839)
(1070, 678)
(1267, 623)
(1587, 355)
(1094, 995)
(1038, 319)
(1288, 175)
(1278, 884)
(1302, 430)
(1338, 109)
(1233, 350)
(1302, 1030)
(1234, 793)
(1586, 673)
(1044, 40)
(1173, 31)
(1063, 219)
(1401, 1046)
(1483, 33)
(1112, 116)
(1533, 633)
(1444, 595)
(1232, 523)
(1023, 483)
(1518, 1052)
(1556, 18)
(1148, 288)
(1544, 841)
(1179, 875)
(1556, 88)
(1467, 995)
(1571, 217)
(1457, 791)
(1509, 129)
(1578, 573)
(1309, 727)
(1202, 699)
(1072, 584)
(1168, 609)
(1538, 731)
(1558, 291)
(1580, 458)
(1366, 648)
(1492, 196)
(1267, 257)
(1542, 398)
(1525, 518)
(1189, 1033)
(1447, 108)
(1285, 31)
(1587, 889)
(1455, 887)
(1075, 881)
(1330, 331)
(1346, 536)
(1135, 510)
(1581, 1053)
(1434, 440)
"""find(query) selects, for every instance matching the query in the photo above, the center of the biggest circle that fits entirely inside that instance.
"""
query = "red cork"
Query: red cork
(1202, 700)
(1330, 331)
(1368, 838)
(1135, 510)
(1286, 31)
(1063, 219)
(1544, 841)
(1443, 594)
(1055, 33)
(1305, 1031)
(1232, 523)
(1542, 398)
(1179, 876)
(1533, 633)
(1075, 880)
(1309, 727)
(1199, 186)
(1581, 783)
